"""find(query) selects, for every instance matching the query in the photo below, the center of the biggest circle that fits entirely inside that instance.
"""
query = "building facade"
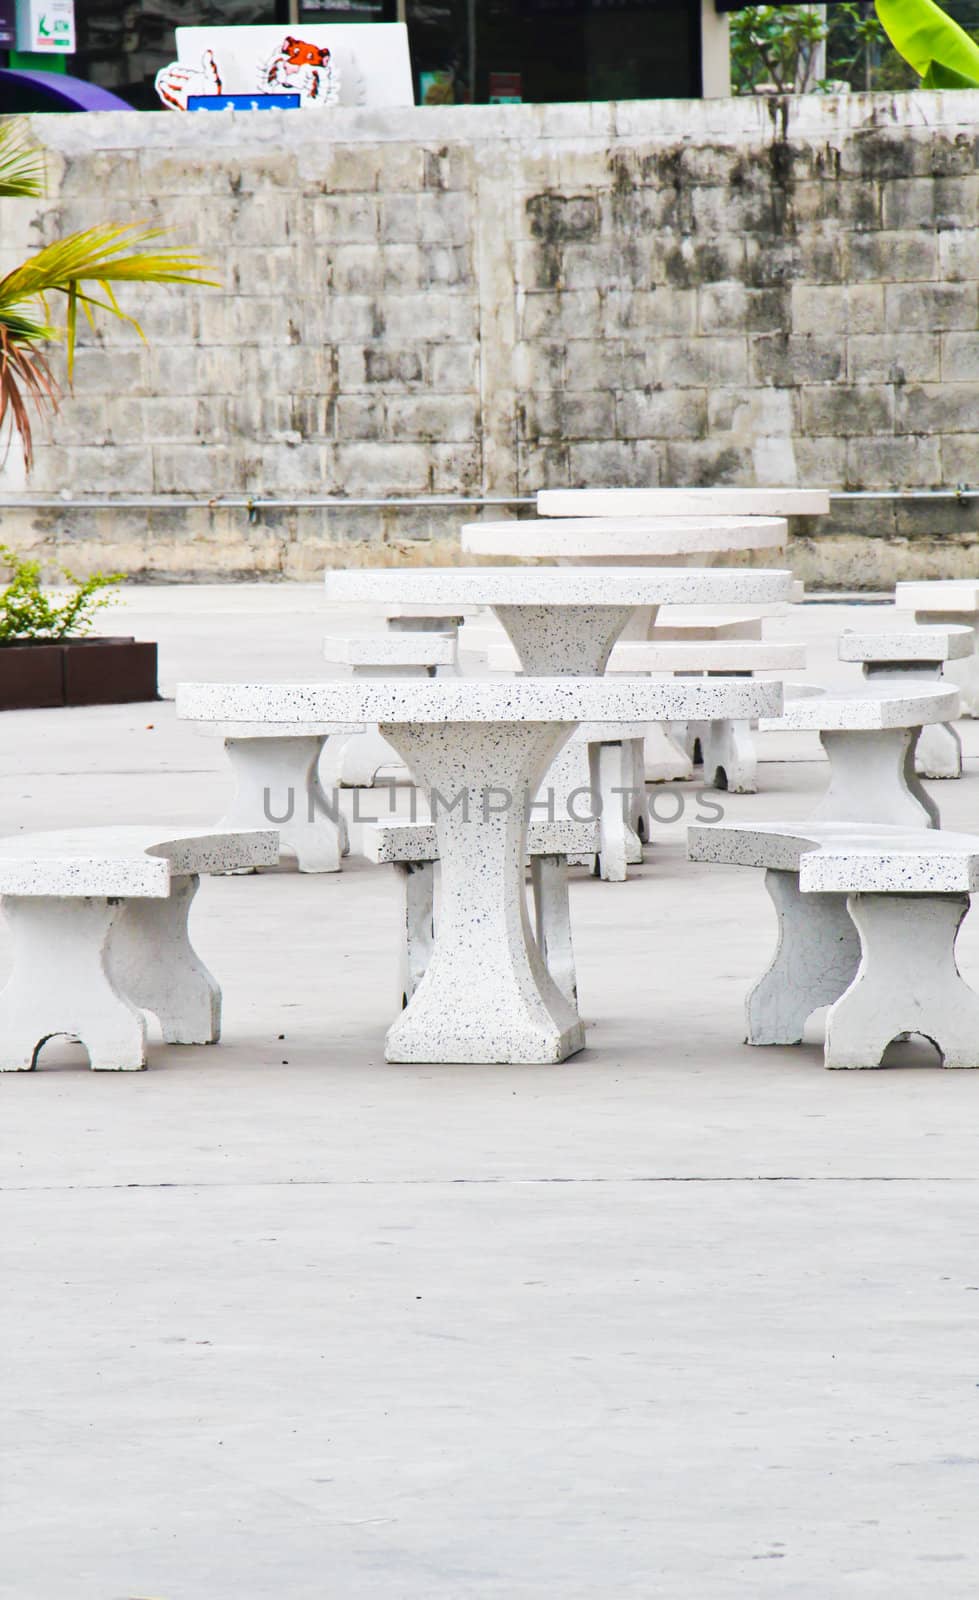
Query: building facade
(463, 51)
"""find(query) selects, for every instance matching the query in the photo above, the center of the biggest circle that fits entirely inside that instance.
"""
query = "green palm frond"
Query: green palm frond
(100, 256)
(108, 253)
(21, 163)
(22, 328)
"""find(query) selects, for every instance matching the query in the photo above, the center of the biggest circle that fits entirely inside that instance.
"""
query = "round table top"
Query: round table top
(561, 586)
(442, 700)
(682, 502)
(645, 538)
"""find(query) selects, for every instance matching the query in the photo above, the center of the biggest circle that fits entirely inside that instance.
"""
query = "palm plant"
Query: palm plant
(74, 267)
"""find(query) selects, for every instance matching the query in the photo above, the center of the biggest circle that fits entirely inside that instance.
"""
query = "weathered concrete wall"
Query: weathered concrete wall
(484, 301)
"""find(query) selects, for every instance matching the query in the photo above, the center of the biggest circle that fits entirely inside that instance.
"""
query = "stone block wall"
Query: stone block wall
(474, 303)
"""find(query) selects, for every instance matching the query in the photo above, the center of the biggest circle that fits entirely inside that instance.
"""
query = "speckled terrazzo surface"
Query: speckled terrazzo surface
(846, 858)
(417, 841)
(569, 699)
(565, 586)
(573, 538)
(870, 708)
(926, 643)
(131, 859)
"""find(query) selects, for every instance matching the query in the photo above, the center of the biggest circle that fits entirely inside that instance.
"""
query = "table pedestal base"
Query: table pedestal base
(486, 995)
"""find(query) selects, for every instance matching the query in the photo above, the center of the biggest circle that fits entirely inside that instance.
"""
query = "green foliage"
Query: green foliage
(775, 45)
(26, 612)
(853, 47)
(104, 254)
(936, 47)
(21, 165)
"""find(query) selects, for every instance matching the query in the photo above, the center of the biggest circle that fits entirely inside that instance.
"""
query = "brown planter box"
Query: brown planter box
(76, 672)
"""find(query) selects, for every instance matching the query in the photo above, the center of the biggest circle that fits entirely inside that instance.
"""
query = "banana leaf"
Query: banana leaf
(935, 46)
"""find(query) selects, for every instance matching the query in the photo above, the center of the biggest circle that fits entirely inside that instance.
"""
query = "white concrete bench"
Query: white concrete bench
(430, 619)
(413, 849)
(401, 653)
(725, 748)
(617, 782)
(701, 625)
(916, 655)
(277, 784)
(945, 601)
(870, 736)
(98, 918)
(867, 923)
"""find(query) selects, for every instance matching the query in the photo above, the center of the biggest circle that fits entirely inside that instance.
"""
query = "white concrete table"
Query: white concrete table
(561, 620)
(714, 502)
(623, 541)
(870, 736)
(943, 601)
(479, 749)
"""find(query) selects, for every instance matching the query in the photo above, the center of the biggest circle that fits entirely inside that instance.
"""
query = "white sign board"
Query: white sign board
(46, 27)
(307, 65)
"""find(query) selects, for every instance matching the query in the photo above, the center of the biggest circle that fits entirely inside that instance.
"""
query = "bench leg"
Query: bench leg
(153, 963)
(619, 845)
(939, 753)
(634, 776)
(277, 785)
(729, 757)
(418, 887)
(816, 958)
(872, 779)
(552, 922)
(907, 982)
(568, 793)
(362, 757)
(964, 673)
(666, 758)
(61, 983)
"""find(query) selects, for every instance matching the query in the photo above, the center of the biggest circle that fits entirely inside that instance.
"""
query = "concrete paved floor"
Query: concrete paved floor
(675, 1319)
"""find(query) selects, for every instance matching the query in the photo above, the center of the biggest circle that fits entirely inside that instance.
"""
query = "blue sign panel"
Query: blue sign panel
(242, 102)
